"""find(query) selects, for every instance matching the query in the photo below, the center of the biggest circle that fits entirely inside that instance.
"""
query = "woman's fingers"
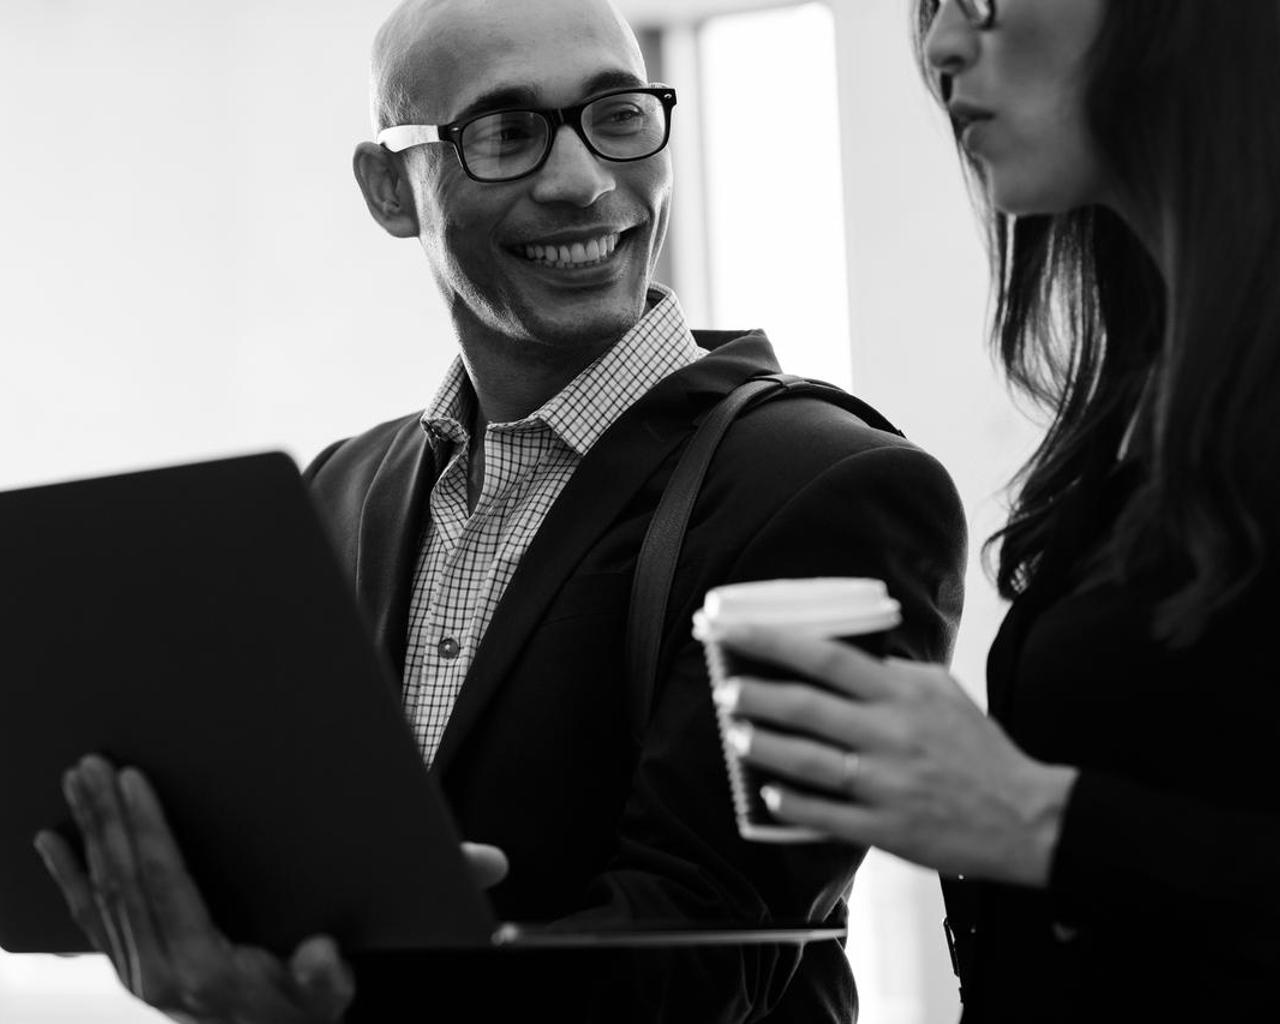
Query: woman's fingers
(799, 759)
(839, 818)
(799, 707)
(842, 667)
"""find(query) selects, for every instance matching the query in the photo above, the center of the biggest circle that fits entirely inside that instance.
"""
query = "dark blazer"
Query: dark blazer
(537, 757)
(1163, 902)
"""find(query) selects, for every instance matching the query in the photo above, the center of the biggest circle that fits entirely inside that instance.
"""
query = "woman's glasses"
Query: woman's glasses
(981, 13)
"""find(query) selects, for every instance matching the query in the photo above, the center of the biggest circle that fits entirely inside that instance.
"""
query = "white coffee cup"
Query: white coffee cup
(854, 610)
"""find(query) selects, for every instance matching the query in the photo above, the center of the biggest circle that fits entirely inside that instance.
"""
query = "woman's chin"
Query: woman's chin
(1022, 198)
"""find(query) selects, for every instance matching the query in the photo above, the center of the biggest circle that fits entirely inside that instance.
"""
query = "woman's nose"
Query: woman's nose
(951, 44)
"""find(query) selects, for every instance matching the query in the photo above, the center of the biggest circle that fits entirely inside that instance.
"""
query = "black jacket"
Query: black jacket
(1164, 897)
(537, 757)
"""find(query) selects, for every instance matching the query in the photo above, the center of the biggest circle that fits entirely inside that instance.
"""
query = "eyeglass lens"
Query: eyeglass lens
(507, 144)
(979, 12)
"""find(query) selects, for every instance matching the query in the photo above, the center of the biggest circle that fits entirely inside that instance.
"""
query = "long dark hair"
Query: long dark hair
(1184, 104)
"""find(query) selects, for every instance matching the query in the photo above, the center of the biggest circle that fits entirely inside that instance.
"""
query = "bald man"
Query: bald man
(492, 541)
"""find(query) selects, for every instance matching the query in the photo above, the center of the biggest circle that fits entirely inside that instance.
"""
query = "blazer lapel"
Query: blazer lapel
(609, 475)
(392, 522)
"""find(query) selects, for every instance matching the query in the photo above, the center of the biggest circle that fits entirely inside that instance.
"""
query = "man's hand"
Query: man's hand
(139, 906)
(487, 864)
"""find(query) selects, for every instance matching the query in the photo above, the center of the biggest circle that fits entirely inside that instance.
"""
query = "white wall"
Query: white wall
(664, 13)
(186, 264)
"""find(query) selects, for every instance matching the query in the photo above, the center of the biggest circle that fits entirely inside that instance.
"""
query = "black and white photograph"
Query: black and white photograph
(639, 511)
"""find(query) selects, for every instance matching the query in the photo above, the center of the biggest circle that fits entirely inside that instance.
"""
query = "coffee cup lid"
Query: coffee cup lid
(820, 606)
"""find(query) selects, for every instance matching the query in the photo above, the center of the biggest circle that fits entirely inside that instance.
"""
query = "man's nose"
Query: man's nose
(951, 44)
(572, 173)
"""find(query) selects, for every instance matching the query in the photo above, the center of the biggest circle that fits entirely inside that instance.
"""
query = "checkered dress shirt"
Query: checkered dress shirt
(467, 560)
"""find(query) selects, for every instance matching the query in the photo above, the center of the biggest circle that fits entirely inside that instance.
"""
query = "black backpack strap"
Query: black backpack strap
(656, 564)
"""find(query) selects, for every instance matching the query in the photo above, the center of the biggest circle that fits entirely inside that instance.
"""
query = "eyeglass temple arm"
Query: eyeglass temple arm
(405, 135)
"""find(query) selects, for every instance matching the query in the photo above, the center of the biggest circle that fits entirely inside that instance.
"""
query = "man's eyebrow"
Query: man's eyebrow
(506, 97)
(502, 98)
(613, 80)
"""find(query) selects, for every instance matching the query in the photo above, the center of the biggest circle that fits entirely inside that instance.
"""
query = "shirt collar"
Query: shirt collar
(450, 413)
(658, 345)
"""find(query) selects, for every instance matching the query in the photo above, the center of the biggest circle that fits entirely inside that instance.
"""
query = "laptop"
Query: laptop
(194, 622)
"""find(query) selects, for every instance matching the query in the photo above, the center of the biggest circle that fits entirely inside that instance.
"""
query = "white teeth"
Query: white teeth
(579, 254)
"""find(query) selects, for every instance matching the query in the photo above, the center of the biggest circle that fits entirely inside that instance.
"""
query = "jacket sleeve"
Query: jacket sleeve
(1127, 847)
(1191, 838)
(889, 512)
(314, 467)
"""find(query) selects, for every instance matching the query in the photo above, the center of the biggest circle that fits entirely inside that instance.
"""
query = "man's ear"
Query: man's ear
(386, 189)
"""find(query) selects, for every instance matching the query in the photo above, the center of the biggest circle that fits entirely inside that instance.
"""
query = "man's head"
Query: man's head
(440, 61)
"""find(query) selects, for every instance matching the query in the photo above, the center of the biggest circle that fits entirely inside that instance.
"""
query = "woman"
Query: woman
(1110, 837)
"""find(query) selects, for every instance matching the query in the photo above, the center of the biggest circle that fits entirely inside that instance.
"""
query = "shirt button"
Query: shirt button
(449, 648)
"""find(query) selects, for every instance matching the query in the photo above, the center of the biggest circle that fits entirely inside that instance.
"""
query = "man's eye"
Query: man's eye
(619, 117)
(501, 136)
(505, 133)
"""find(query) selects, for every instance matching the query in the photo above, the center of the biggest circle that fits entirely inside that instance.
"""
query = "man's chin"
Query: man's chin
(584, 327)
(586, 308)
(589, 337)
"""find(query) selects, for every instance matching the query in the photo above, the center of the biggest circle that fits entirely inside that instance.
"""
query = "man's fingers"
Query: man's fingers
(102, 885)
(488, 864)
(176, 905)
(830, 662)
(326, 982)
(64, 867)
(118, 880)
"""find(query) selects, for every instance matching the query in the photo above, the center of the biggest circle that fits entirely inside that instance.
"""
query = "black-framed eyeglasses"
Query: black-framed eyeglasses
(620, 125)
(980, 13)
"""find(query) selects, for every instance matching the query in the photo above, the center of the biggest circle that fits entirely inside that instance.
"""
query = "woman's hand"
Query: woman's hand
(139, 906)
(911, 764)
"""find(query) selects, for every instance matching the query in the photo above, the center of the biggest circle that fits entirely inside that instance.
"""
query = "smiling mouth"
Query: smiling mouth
(590, 252)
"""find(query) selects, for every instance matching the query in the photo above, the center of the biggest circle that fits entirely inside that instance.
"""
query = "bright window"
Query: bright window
(774, 208)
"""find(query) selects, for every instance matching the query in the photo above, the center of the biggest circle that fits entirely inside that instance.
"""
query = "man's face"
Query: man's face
(491, 244)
